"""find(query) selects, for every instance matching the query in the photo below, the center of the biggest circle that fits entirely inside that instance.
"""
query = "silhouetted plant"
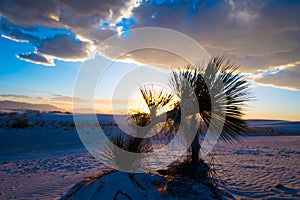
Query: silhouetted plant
(219, 82)
(229, 97)
(115, 157)
(155, 99)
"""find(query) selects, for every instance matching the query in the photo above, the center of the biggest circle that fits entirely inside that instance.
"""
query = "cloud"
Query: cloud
(28, 13)
(253, 33)
(13, 38)
(16, 96)
(65, 102)
(258, 35)
(68, 99)
(16, 33)
(56, 44)
(58, 14)
(64, 47)
(21, 21)
(37, 58)
(105, 9)
(58, 100)
(286, 77)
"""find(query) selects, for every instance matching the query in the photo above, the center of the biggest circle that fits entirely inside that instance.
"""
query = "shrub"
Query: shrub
(20, 123)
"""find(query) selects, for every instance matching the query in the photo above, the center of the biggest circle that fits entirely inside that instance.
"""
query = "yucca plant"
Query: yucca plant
(115, 157)
(221, 83)
(155, 99)
(141, 122)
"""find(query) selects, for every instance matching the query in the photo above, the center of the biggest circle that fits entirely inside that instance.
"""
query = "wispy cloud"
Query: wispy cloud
(66, 102)
(15, 96)
(286, 77)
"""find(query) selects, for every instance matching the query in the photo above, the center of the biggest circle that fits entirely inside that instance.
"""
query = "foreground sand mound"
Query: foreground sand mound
(121, 185)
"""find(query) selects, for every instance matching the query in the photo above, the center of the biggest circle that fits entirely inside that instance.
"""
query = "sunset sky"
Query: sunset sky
(43, 44)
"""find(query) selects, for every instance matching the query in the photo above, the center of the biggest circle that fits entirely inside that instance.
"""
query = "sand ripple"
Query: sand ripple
(265, 167)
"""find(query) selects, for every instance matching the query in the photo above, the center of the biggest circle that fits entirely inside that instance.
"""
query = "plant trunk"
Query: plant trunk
(195, 144)
(195, 149)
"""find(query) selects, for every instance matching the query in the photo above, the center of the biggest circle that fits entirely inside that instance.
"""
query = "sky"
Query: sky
(44, 43)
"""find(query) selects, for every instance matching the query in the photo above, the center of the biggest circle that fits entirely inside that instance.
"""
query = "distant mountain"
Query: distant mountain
(13, 105)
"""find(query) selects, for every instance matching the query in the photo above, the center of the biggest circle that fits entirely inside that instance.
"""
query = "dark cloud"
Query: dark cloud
(254, 31)
(105, 9)
(58, 13)
(64, 47)
(37, 58)
(30, 13)
(71, 19)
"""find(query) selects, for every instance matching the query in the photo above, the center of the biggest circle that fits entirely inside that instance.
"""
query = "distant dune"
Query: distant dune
(273, 126)
(13, 105)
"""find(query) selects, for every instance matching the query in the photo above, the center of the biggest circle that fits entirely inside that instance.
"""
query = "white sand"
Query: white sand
(45, 162)
(265, 167)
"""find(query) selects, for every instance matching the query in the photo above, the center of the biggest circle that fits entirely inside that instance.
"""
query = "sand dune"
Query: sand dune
(46, 159)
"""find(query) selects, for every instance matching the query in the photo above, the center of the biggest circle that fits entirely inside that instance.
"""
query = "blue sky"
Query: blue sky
(43, 44)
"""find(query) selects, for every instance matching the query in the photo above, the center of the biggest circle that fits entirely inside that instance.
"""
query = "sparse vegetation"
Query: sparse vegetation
(229, 98)
(21, 123)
